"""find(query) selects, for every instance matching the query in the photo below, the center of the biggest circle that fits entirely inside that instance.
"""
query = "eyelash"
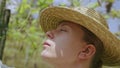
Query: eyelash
(63, 30)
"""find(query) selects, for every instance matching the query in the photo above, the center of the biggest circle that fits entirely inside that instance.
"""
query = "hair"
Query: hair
(91, 38)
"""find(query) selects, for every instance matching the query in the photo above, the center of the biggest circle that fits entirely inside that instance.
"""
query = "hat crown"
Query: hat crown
(92, 14)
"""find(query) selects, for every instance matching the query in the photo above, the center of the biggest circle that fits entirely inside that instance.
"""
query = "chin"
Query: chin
(48, 57)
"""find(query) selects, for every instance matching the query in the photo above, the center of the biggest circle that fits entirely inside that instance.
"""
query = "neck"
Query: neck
(72, 65)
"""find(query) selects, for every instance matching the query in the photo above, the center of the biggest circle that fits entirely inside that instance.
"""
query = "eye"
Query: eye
(63, 30)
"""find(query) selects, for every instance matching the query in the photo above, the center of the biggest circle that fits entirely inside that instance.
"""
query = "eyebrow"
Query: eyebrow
(65, 24)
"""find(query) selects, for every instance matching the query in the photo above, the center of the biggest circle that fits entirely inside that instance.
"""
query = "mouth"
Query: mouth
(46, 44)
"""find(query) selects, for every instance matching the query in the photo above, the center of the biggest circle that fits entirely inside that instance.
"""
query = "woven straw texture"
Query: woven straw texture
(89, 18)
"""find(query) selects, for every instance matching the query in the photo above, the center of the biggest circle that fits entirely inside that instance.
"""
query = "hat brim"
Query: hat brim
(50, 18)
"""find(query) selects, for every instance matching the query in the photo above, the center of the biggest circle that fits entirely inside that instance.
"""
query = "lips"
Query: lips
(46, 44)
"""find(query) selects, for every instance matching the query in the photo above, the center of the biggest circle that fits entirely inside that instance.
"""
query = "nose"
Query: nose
(50, 34)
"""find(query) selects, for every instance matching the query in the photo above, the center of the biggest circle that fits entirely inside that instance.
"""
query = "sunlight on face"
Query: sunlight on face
(63, 43)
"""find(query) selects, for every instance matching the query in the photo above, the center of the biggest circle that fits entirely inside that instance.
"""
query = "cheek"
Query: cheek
(67, 47)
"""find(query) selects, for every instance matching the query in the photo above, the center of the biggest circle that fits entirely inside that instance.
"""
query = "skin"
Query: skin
(67, 48)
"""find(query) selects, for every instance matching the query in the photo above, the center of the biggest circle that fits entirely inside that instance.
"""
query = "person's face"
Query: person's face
(63, 44)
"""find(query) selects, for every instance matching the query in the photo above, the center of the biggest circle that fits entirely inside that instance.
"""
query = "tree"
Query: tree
(4, 20)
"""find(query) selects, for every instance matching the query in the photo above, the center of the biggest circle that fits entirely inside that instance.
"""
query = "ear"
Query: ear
(87, 52)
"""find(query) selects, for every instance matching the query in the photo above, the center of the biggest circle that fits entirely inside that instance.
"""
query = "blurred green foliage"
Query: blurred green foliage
(24, 37)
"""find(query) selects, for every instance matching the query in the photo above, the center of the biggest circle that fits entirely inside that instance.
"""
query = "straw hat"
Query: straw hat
(89, 18)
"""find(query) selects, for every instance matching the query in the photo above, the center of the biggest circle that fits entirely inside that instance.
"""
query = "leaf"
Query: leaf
(93, 5)
(115, 13)
(76, 3)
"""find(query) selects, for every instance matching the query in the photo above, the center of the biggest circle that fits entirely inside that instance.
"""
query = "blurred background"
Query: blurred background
(24, 35)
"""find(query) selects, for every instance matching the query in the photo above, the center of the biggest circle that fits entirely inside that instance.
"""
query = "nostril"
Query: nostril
(49, 34)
